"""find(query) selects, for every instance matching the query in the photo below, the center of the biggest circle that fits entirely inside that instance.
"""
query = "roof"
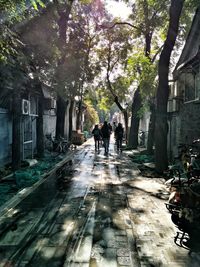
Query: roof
(192, 43)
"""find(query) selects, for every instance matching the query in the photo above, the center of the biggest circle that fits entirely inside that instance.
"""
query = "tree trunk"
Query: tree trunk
(79, 116)
(147, 51)
(135, 120)
(151, 131)
(16, 131)
(161, 126)
(116, 99)
(126, 124)
(60, 121)
(71, 108)
(63, 12)
(40, 132)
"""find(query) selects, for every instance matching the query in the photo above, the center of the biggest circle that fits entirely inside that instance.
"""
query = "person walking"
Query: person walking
(119, 134)
(97, 136)
(110, 128)
(114, 128)
(105, 131)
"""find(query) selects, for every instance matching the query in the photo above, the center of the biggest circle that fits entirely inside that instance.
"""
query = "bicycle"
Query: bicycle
(184, 175)
(187, 163)
(183, 203)
(59, 145)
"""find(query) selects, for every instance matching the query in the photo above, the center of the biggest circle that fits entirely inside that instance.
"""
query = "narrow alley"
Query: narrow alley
(107, 215)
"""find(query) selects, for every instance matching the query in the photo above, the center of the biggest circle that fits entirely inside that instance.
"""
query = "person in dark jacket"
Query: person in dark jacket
(119, 134)
(110, 128)
(97, 136)
(105, 131)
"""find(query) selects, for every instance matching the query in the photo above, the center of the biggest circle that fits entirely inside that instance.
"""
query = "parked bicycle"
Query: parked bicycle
(59, 145)
(185, 214)
(187, 163)
(184, 200)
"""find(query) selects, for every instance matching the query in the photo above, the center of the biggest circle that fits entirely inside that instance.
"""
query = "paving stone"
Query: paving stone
(130, 226)
(124, 261)
(121, 239)
(120, 233)
(111, 244)
(115, 244)
(123, 252)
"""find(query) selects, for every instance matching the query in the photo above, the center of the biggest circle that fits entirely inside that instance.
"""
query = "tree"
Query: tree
(151, 16)
(91, 116)
(114, 95)
(77, 62)
(85, 38)
(12, 13)
(148, 18)
(63, 11)
(161, 128)
(142, 70)
(15, 64)
(113, 54)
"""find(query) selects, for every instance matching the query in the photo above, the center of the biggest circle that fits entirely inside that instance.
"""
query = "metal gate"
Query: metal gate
(27, 137)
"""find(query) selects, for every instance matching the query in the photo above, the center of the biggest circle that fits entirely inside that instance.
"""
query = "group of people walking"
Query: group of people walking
(104, 133)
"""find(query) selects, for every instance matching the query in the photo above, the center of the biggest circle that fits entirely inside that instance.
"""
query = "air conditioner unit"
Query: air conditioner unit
(25, 107)
(53, 103)
(49, 103)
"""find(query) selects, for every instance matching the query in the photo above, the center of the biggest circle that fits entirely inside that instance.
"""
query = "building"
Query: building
(184, 100)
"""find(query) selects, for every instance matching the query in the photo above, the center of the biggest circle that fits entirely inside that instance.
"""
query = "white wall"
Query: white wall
(49, 122)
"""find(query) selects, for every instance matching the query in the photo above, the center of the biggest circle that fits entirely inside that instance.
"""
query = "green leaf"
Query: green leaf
(34, 4)
(41, 3)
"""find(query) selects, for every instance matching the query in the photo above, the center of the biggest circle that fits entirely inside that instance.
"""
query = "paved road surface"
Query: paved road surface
(107, 216)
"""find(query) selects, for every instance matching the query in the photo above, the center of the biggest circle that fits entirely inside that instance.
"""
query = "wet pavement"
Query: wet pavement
(107, 215)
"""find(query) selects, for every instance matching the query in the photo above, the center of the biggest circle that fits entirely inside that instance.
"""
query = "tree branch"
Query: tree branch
(120, 23)
(159, 50)
(110, 85)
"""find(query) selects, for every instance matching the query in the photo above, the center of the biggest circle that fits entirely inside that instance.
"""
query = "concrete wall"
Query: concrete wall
(174, 135)
(66, 132)
(184, 126)
(74, 119)
(49, 118)
(190, 122)
(5, 137)
(6, 130)
(144, 125)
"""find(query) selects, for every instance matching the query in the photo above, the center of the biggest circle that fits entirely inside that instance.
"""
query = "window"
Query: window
(190, 87)
(188, 84)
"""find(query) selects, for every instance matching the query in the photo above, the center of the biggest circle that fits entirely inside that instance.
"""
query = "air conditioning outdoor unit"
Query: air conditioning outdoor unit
(53, 103)
(25, 107)
(49, 103)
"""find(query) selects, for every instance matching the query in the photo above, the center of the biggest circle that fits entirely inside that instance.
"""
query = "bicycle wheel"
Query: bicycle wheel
(65, 147)
(48, 145)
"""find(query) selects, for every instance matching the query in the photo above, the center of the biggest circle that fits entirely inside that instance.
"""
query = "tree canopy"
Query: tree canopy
(75, 45)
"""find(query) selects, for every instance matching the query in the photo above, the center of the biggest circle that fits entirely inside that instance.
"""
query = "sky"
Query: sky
(118, 9)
